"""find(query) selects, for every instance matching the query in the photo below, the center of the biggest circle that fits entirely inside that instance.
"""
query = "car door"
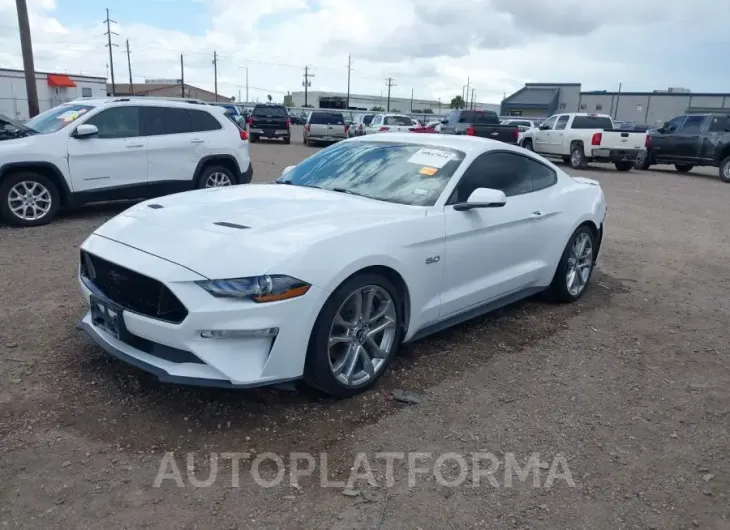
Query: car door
(541, 138)
(174, 146)
(663, 144)
(687, 138)
(114, 158)
(451, 119)
(557, 135)
(491, 252)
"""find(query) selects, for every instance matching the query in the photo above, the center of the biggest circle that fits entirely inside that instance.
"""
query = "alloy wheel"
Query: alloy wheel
(217, 179)
(29, 200)
(580, 263)
(362, 335)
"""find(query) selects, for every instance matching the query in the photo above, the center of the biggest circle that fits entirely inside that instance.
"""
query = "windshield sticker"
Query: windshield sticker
(420, 191)
(71, 115)
(431, 158)
(428, 171)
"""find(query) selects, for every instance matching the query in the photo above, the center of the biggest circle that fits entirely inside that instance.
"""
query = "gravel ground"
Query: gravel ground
(627, 393)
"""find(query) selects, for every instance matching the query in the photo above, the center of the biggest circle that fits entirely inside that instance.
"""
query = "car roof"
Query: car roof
(143, 101)
(467, 144)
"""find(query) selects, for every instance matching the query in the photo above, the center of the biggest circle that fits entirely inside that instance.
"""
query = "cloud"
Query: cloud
(430, 46)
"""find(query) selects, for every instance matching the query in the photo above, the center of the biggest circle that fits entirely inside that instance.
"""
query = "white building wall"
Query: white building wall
(14, 100)
(396, 104)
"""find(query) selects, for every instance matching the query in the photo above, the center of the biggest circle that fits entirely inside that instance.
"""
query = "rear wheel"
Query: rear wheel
(355, 336)
(253, 138)
(578, 158)
(624, 166)
(287, 139)
(575, 267)
(683, 168)
(28, 199)
(725, 170)
(643, 162)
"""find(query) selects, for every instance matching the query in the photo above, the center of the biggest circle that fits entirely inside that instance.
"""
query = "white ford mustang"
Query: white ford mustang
(372, 242)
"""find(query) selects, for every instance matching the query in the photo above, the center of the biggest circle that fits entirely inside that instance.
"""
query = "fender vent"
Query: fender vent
(231, 225)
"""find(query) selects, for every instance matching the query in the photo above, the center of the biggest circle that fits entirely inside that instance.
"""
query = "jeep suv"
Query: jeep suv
(91, 150)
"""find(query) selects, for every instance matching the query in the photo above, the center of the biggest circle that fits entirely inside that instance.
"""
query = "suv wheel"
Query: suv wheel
(287, 139)
(216, 177)
(28, 199)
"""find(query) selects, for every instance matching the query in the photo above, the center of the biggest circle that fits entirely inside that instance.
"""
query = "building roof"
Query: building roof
(152, 88)
(38, 72)
(533, 96)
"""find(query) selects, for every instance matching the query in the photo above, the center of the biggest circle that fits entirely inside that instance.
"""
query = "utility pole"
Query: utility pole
(439, 106)
(411, 100)
(618, 98)
(467, 91)
(306, 84)
(247, 84)
(182, 77)
(109, 45)
(349, 68)
(389, 84)
(129, 65)
(26, 45)
(215, 74)
(472, 99)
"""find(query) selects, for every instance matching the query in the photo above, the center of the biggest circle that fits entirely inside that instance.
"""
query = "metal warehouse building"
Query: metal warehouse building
(544, 99)
(53, 89)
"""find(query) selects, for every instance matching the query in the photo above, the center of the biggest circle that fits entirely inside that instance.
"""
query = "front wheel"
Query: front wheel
(355, 336)
(28, 199)
(575, 267)
(624, 166)
(725, 170)
(527, 144)
(683, 168)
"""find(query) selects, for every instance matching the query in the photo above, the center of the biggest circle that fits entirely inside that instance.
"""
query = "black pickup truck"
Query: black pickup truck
(689, 141)
(482, 123)
(269, 121)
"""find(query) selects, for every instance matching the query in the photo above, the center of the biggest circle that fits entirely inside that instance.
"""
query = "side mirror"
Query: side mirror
(483, 198)
(85, 131)
(444, 121)
(287, 169)
(662, 130)
(544, 127)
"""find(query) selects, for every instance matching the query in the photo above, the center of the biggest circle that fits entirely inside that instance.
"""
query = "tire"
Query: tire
(44, 191)
(220, 174)
(559, 290)
(578, 158)
(566, 160)
(624, 166)
(527, 144)
(643, 163)
(287, 139)
(253, 138)
(320, 367)
(683, 168)
(725, 170)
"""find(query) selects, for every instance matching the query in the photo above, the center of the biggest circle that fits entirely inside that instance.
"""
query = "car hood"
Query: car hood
(244, 230)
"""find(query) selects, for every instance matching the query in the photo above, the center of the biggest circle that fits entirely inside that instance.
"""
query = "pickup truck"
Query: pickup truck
(269, 121)
(482, 123)
(689, 141)
(580, 138)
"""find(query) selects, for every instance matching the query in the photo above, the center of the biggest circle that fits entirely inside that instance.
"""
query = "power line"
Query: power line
(306, 84)
(390, 84)
(109, 34)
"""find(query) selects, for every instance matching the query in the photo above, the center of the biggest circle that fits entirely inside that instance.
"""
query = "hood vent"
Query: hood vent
(155, 206)
(231, 225)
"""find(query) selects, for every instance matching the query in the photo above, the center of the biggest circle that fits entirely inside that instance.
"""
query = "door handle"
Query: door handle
(536, 214)
(129, 146)
(197, 141)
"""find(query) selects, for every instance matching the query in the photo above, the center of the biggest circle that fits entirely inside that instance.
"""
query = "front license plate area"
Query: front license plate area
(107, 316)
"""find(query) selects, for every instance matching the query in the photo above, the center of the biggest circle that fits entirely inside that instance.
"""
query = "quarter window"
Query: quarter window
(117, 122)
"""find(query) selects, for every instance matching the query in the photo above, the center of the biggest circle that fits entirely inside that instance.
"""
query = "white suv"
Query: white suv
(91, 150)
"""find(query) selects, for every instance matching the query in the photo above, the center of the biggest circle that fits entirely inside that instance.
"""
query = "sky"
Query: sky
(429, 46)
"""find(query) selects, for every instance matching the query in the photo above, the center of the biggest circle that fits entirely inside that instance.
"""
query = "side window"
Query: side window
(500, 171)
(693, 124)
(562, 123)
(720, 124)
(376, 120)
(203, 121)
(117, 122)
(166, 120)
(550, 122)
(674, 124)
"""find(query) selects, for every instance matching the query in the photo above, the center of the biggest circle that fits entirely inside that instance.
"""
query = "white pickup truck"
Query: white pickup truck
(579, 138)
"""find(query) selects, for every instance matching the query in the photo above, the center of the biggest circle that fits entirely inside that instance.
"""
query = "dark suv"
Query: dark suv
(269, 121)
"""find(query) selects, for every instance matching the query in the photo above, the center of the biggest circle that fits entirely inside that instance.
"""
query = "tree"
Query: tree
(377, 108)
(428, 111)
(417, 111)
(458, 102)
(269, 97)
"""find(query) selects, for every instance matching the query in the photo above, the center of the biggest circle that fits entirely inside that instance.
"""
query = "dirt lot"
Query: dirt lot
(631, 386)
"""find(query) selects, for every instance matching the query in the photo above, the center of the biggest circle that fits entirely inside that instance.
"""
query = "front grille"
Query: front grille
(131, 290)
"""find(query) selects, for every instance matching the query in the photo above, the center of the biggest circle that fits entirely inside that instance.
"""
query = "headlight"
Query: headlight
(257, 288)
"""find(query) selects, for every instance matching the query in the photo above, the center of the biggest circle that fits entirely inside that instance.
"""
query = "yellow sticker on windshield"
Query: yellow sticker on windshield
(430, 171)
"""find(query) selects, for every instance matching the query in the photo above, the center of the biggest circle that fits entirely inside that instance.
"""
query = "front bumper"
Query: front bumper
(616, 155)
(177, 353)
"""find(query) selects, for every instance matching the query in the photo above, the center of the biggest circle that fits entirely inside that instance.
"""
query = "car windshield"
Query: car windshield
(402, 173)
(57, 118)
